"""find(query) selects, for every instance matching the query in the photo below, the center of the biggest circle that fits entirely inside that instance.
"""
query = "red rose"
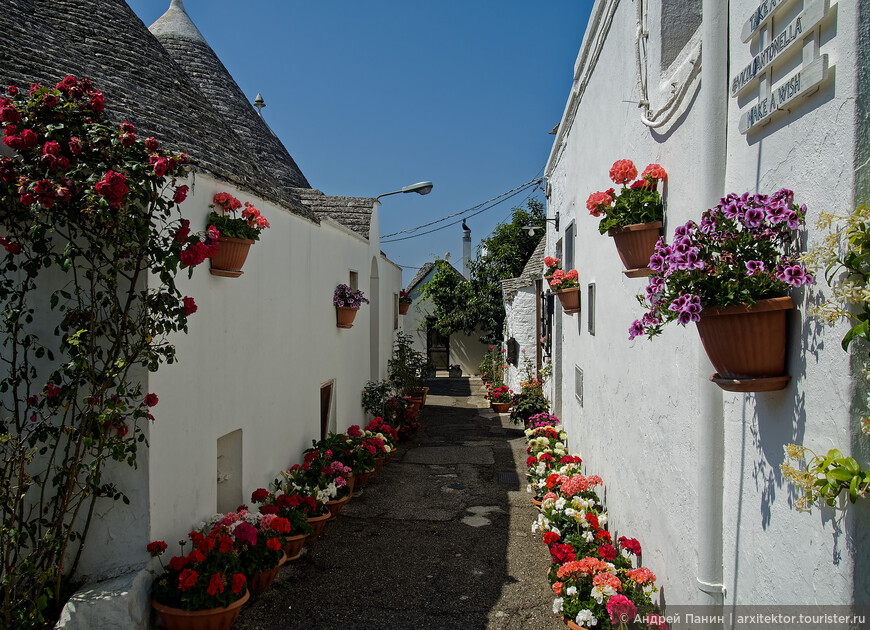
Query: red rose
(97, 102)
(127, 139)
(160, 165)
(113, 187)
(12, 247)
(189, 306)
(156, 548)
(187, 579)
(8, 113)
(50, 100)
(183, 231)
(127, 127)
(151, 144)
(216, 584)
(75, 146)
(151, 400)
(238, 582)
(52, 391)
(13, 90)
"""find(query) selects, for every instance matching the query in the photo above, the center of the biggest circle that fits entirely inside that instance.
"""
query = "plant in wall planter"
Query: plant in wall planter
(347, 302)
(633, 218)
(237, 234)
(404, 302)
(553, 265)
(566, 287)
(730, 275)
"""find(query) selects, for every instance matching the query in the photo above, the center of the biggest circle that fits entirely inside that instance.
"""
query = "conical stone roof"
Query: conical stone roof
(46, 40)
(186, 45)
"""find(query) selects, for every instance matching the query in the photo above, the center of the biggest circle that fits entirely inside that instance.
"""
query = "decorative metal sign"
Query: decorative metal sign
(793, 36)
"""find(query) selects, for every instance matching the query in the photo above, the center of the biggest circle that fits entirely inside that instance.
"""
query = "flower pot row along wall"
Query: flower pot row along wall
(594, 577)
(235, 234)
(240, 552)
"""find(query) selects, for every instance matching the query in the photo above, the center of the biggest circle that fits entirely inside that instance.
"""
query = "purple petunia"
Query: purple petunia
(754, 266)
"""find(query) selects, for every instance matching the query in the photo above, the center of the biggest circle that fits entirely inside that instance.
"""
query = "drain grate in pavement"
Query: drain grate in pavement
(509, 478)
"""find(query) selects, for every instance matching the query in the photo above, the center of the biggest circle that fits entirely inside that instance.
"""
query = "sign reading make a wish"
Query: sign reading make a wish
(782, 41)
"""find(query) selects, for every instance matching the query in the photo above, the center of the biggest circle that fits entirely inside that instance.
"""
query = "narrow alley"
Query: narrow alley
(439, 538)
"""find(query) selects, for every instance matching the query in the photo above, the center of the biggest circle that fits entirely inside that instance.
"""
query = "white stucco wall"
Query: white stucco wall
(638, 424)
(258, 350)
(520, 323)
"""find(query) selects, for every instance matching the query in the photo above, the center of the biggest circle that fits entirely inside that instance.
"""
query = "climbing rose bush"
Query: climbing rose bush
(92, 243)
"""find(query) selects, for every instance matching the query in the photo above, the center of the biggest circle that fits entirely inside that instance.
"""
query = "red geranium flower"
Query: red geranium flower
(274, 544)
(187, 579)
(550, 538)
(156, 548)
(216, 584)
(238, 582)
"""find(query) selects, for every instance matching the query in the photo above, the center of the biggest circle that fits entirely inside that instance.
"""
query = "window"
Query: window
(325, 408)
(353, 281)
(568, 263)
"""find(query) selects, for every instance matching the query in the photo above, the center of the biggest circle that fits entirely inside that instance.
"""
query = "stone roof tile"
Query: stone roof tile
(352, 212)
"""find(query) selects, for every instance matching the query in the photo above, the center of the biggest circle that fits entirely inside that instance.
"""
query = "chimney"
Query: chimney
(466, 251)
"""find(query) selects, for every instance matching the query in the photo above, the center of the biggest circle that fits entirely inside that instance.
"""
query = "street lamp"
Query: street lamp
(422, 188)
(532, 228)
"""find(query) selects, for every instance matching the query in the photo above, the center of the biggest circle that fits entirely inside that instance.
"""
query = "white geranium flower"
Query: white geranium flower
(556, 531)
(557, 605)
(529, 488)
(602, 520)
(586, 618)
(598, 594)
(571, 590)
(589, 537)
(560, 503)
(559, 445)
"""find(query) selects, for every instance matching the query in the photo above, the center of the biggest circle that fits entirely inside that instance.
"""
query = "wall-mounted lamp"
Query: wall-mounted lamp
(421, 188)
(531, 228)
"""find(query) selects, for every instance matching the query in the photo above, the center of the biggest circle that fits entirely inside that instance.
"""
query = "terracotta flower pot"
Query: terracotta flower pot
(548, 279)
(416, 403)
(209, 619)
(335, 506)
(403, 308)
(500, 407)
(379, 463)
(362, 478)
(537, 502)
(293, 546)
(344, 316)
(230, 256)
(261, 580)
(317, 523)
(570, 299)
(746, 345)
(635, 244)
(350, 478)
(572, 625)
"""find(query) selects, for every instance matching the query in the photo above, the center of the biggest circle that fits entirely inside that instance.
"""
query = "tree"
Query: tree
(477, 304)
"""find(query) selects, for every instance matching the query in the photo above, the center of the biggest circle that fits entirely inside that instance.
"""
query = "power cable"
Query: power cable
(456, 214)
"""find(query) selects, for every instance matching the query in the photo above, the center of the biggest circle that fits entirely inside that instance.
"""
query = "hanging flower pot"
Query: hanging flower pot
(570, 299)
(746, 345)
(208, 619)
(403, 308)
(404, 302)
(344, 316)
(230, 256)
(635, 244)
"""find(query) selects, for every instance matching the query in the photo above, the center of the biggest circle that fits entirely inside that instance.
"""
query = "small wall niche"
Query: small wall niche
(229, 471)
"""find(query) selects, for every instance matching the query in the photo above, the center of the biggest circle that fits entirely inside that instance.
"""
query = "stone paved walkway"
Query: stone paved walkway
(435, 540)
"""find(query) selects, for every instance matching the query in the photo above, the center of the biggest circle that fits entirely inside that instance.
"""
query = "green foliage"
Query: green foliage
(374, 395)
(233, 227)
(531, 400)
(406, 369)
(633, 205)
(468, 306)
(87, 207)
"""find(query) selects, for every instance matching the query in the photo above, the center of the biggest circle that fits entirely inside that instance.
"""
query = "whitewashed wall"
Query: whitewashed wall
(638, 424)
(520, 322)
(258, 350)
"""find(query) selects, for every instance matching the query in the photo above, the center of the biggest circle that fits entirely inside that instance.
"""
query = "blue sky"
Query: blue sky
(372, 96)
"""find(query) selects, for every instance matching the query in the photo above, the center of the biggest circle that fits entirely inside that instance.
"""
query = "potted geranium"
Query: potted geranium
(553, 265)
(259, 539)
(289, 507)
(314, 497)
(404, 302)
(730, 274)
(500, 397)
(566, 286)
(633, 217)
(208, 583)
(237, 234)
(347, 302)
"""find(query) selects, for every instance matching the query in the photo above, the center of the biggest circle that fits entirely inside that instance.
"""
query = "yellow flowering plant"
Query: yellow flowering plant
(844, 254)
